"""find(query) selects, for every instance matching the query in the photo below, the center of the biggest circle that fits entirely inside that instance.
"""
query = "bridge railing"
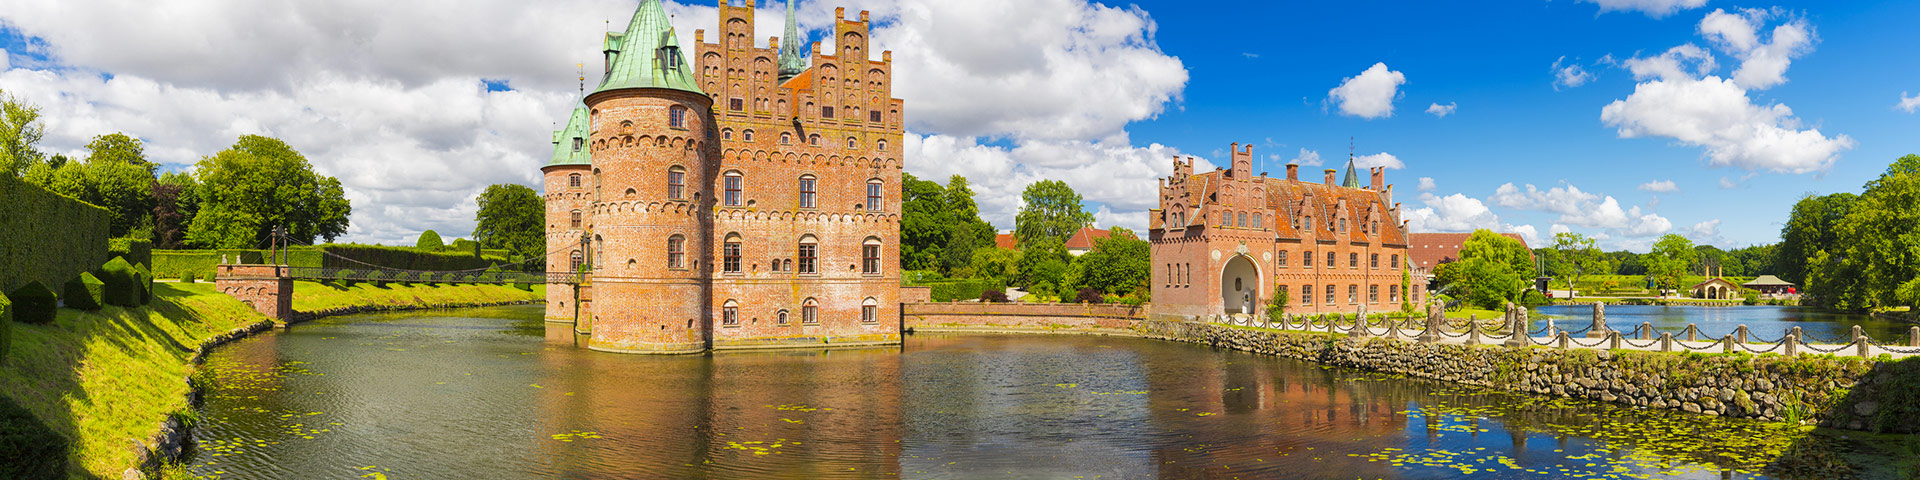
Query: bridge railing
(409, 276)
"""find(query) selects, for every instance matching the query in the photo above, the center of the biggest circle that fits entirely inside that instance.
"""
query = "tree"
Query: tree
(967, 231)
(20, 130)
(512, 217)
(1882, 234)
(1578, 256)
(1118, 264)
(429, 240)
(1002, 264)
(1052, 211)
(924, 223)
(1814, 226)
(176, 199)
(118, 147)
(264, 183)
(1667, 263)
(1492, 270)
(111, 182)
(1043, 266)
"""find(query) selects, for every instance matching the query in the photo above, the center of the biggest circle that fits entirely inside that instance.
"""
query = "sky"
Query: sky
(1620, 119)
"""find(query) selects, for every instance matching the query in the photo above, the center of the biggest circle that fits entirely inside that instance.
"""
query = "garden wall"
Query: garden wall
(1037, 317)
(46, 236)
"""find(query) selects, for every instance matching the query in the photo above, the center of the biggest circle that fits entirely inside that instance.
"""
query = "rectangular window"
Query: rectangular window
(575, 221)
(810, 315)
(1243, 220)
(577, 143)
(733, 190)
(730, 316)
(676, 252)
(1306, 295)
(736, 105)
(1256, 221)
(806, 192)
(1373, 261)
(1395, 263)
(1283, 259)
(870, 259)
(826, 112)
(730, 257)
(1353, 260)
(1306, 260)
(874, 202)
(1393, 293)
(869, 314)
(1330, 294)
(1373, 294)
(676, 182)
(1330, 260)
(1353, 294)
(807, 258)
(874, 116)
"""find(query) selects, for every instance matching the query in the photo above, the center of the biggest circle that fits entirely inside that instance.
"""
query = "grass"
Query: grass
(314, 297)
(102, 378)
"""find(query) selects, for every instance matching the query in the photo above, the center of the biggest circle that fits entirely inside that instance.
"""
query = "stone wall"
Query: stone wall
(1037, 317)
(1843, 392)
(267, 288)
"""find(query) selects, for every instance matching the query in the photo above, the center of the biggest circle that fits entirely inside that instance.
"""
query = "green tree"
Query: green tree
(924, 223)
(966, 232)
(1579, 256)
(20, 130)
(1002, 264)
(1667, 263)
(429, 240)
(512, 217)
(1044, 266)
(124, 189)
(1492, 270)
(1052, 210)
(1117, 265)
(1882, 233)
(264, 183)
(1812, 227)
(118, 147)
(176, 199)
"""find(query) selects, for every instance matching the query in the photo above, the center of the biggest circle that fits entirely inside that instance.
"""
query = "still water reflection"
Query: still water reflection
(1765, 322)
(490, 393)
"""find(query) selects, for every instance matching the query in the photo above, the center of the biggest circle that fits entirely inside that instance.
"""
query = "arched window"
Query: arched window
(730, 254)
(786, 138)
(677, 116)
(780, 317)
(814, 140)
(809, 252)
(875, 200)
(1243, 219)
(576, 259)
(676, 252)
(853, 143)
(726, 133)
(806, 191)
(733, 184)
(730, 314)
(883, 143)
(676, 182)
(573, 180)
(870, 311)
(574, 220)
(870, 256)
(810, 312)
(746, 135)
(1226, 219)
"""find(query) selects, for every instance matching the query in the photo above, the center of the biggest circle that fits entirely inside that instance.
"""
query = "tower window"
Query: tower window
(730, 255)
(814, 140)
(786, 138)
(676, 252)
(575, 260)
(780, 317)
(826, 112)
(676, 182)
(733, 189)
(870, 257)
(808, 255)
(810, 312)
(806, 191)
(677, 116)
(574, 221)
(730, 314)
(573, 180)
(747, 135)
(736, 104)
(578, 142)
(874, 200)
(874, 116)
(870, 311)
(726, 134)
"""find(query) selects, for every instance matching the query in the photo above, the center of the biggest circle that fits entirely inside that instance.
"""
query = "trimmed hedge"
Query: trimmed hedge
(963, 289)
(32, 450)
(6, 327)
(144, 278)
(123, 288)
(404, 258)
(137, 251)
(34, 303)
(202, 263)
(46, 236)
(85, 292)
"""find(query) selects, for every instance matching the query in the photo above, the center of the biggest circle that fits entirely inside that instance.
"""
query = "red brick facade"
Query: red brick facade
(785, 228)
(1224, 236)
(268, 288)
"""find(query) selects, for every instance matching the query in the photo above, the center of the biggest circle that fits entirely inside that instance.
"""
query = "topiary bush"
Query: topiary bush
(144, 278)
(120, 278)
(34, 303)
(32, 450)
(85, 292)
(188, 277)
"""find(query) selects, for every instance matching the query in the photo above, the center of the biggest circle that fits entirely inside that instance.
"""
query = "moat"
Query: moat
(495, 393)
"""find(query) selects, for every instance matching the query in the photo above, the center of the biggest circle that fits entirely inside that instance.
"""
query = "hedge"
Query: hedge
(403, 258)
(34, 303)
(137, 251)
(31, 448)
(6, 327)
(122, 287)
(46, 236)
(144, 279)
(963, 289)
(85, 292)
(202, 263)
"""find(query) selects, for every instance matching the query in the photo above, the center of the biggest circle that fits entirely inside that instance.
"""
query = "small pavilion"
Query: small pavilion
(1770, 285)
(1715, 288)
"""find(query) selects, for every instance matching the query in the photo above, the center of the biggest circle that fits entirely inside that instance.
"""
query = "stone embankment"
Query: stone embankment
(299, 317)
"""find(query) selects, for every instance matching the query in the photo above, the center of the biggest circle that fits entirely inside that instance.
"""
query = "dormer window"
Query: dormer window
(578, 142)
(669, 58)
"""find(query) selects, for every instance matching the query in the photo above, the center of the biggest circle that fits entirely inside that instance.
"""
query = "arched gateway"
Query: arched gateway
(1240, 286)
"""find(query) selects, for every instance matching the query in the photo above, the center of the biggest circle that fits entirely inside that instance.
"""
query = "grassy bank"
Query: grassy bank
(102, 379)
(316, 297)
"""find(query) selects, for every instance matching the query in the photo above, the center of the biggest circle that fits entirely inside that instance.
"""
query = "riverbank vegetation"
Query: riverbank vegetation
(321, 297)
(945, 245)
(1856, 252)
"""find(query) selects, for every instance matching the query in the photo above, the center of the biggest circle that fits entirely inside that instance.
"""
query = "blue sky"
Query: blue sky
(416, 114)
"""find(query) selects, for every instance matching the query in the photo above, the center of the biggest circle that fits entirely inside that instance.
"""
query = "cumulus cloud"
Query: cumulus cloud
(1659, 186)
(1570, 75)
(1451, 213)
(1442, 111)
(1562, 200)
(1584, 209)
(1679, 98)
(1306, 158)
(1370, 94)
(1120, 177)
(1426, 184)
(1382, 159)
(1705, 232)
(1557, 229)
(1527, 232)
(1909, 104)
(1653, 8)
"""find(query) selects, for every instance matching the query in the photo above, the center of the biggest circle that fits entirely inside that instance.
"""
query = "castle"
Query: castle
(750, 199)
(1227, 242)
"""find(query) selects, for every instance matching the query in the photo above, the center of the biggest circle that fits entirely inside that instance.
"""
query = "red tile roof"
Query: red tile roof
(1006, 241)
(1427, 250)
(1084, 238)
(1321, 201)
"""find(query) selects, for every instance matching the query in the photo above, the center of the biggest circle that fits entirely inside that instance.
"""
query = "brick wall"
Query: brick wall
(1063, 317)
(266, 287)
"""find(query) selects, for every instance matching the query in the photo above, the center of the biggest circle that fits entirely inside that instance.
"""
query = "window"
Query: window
(726, 134)
(780, 317)
(1283, 259)
(733, 181)
(1329, 294)
(1395, 262)
(730, 254)
(808, 247)
(1330, 260)
(1353, 260)
(810, 312)
(826, 112)
(870, 311)
(873, 116)
(736, 104)
(881, 145)
(1256, 220)
(573, 180)
(1373, 261)
(574, 221)
(747, 135)
(1243, 219)
(870, 257)
(676, 252)
(577, 259)
(1373, 293)
(786, 138)
(1353, 294)
(577, 143)
(1393, 293)
(677, 116)
(814, 140)
(874, 201)
(1306, 294)
(676, 182)
(1306, 260)
(730, 314)
(1226, 219)
(806, 191)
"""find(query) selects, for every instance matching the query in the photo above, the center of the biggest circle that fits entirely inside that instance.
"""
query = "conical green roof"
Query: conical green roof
(1353, 176)
(791, 63)
(564, 150)
(648, 55)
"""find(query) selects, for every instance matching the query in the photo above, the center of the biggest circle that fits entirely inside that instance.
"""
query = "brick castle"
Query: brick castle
(750, 199)
(1228, 241)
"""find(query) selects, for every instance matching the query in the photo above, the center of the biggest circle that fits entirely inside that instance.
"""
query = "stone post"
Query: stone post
(1599, 328)
(1518, 335)
(1857, 333)
(1913, 336)
(1613, 340)
(1473, 333)
(1666, 342)
(1740, 334)
(1860, 342)
(1560, 340)
(1790, 345)
(1526, 324)
(1646, 330)
(1726, 344)
(1283, 321)
(1693, 332)
(1434, 323)
(1360, 326)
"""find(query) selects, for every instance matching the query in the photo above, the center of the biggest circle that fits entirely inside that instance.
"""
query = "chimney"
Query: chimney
(1330, 175)
(840, 13)
(1293, 172)
(1379, 178)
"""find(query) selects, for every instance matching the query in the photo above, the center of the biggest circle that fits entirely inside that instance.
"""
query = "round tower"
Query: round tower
(649, 138)
(569, 187)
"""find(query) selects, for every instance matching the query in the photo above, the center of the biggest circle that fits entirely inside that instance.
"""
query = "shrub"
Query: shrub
(1752, 298)
(85, 292)
(1533, 297)
(994, 296)
(1088, 295)
(32, 450)
(187, 277)
(119, 277)
(34, 303)
(138, 251)
(48, 236)
(146, 284)
(949, 291)
(6, 327)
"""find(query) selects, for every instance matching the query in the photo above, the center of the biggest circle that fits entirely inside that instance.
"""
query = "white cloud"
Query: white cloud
(1306, 158)
(1382, 159)
(1557, 229)
(1682, 62)
(1452, 213)
(1121, 178)
(1426, 184)
(1370, 94)
(1570, 75)
(1707, 230)
(1763, 64)
(1562, 200)
(1659, 186)
(1909, 104)
(1528, 232)
(1580, 208)
(1728, 183)
(1442, 111)
(1653, 8)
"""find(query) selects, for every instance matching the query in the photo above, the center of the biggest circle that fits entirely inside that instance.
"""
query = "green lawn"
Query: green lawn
(314, 297)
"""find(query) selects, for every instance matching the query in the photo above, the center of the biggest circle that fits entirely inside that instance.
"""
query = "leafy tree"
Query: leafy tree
(429, 240)
(1667, 263)
(265, 183)
(1043, 266)
(1578, 255)
(1492, 270)
(118, 147)
(1002, 264)
(1882, 233)
(512, 217)
(967, 231)
(1052, 211)
(1814, 226)
(176, 199)
(1626, 263)
(20, 130)
(1118, 264)
(108, 180)
(924, 223)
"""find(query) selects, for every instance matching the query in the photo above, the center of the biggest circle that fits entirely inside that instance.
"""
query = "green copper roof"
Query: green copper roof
(645, 51)
(791, 63)
(564, 152)
(1353, 177)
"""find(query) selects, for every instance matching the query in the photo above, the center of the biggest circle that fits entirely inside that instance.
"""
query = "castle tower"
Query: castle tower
(569, 187)
(651, 145)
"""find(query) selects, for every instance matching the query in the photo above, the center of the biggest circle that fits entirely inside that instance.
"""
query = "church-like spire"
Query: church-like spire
(791, 63)
(647, 55)
(1353, 176)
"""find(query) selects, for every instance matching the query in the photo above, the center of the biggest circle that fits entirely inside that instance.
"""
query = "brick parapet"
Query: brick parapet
(268, 288)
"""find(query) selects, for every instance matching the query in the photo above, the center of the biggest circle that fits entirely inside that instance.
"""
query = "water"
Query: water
(492, 393)
(1764, 322)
